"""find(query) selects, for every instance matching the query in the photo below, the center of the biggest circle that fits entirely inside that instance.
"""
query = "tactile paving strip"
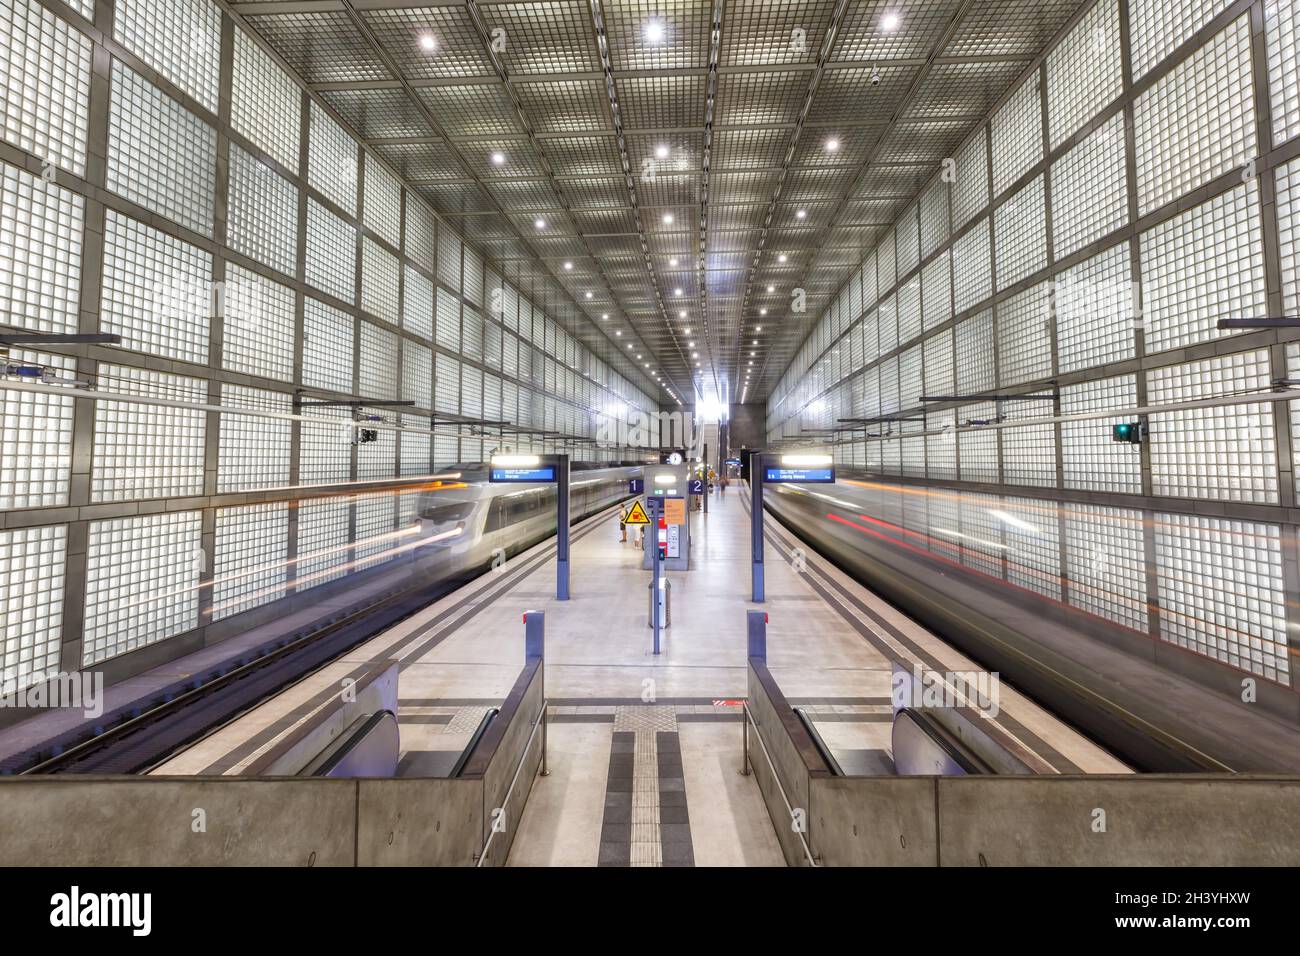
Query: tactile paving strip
(645, 821)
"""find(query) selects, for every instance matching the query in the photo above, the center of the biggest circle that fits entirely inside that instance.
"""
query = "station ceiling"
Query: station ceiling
(665, 164)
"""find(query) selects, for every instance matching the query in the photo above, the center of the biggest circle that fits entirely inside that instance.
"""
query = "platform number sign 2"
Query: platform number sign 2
(696, 486)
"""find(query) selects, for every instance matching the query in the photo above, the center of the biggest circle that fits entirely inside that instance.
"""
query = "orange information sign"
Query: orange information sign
(675, 510)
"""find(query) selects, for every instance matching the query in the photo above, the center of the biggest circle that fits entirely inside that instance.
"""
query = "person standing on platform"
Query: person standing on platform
(622, 523)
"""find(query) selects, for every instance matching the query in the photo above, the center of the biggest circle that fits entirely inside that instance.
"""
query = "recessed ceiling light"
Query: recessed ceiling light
(752, 354)
(638, 354)
(697, 364)
(695, 355)
(661, 151)
(686, 331)
(782, 258)
(677, 292)
(755, 342)
(604, 317)
(751, 364)
(889, 21)
(771, 289)
(832, 145)
(762, 311)
(690, 345)
(618, 332)
(668, 219)
(647, 364)
(539, 223)
(428, 41)
(629, 344)
(672, 261)
(588, 295)
(758, 328)
(568, 266)
(498, 159)
(801, 214)
(654, 32)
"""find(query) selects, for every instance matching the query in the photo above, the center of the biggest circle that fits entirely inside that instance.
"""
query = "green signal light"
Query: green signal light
(1129, 432)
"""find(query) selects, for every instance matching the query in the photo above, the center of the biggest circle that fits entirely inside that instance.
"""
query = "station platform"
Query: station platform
(645, 750)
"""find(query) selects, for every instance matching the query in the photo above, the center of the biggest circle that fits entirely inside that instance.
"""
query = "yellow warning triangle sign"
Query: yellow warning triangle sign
(636, 515)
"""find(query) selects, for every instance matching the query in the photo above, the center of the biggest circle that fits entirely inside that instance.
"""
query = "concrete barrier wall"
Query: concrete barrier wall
(517, 750)
(1029, 820)
(1133, 820)
(787, 745)
(280, 821)
(238, 821)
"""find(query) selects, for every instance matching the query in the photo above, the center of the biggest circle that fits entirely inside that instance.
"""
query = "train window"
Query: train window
(447, 512)
(496, 519)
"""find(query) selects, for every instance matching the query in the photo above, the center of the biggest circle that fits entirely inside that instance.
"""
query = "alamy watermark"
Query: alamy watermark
(927, 689)
(42, 690)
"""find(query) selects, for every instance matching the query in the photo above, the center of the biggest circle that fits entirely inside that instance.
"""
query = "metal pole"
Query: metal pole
(756, 523)
(756, 622)
(562, 528)
(654, 564)
(706, 478)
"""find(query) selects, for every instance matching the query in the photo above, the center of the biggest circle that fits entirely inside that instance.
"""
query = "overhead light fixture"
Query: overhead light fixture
(638, 355)
(655, 32)
(672, 261)
(686, 331)
(668, 219)
(428, 41)
(498, 159)
(762, 311)
(755, 342)
(889, 21)
(604, 317)
(618, 332)
(690, 345)
(801, 214)
(588, 295)
(677, 292)
(758, 328)
(695, 355)
(832, 145)
(515, 461)
(661, 151)
(807, 461)
(771, 289)
(782, 258)
(568, 266)
(539, 223)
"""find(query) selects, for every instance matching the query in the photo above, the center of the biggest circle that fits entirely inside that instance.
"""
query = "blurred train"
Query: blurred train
(469, 521)
(1055, 653)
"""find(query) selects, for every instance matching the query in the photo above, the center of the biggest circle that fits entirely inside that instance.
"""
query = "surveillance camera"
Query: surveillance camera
(875, 77)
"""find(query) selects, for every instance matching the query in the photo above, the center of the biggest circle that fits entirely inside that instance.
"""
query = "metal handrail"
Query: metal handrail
(540, 722)
(776, 778)
(818, 742)
(474, 739)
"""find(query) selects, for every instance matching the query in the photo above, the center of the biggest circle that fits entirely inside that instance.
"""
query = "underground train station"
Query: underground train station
(611, 435)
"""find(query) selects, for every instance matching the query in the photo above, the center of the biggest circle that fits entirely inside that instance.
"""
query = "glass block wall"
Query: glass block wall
(164, 178)
(1140, 182)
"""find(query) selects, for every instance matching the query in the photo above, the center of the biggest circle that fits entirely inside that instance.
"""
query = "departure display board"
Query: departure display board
(776, 475)
(539, 473)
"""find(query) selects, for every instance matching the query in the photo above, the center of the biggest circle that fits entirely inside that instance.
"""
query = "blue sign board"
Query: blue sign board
(635, 486)
(776, 475)
(695, 486)
(524, 475)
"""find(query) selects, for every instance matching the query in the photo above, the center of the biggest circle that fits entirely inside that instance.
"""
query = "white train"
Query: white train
(468, 521)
